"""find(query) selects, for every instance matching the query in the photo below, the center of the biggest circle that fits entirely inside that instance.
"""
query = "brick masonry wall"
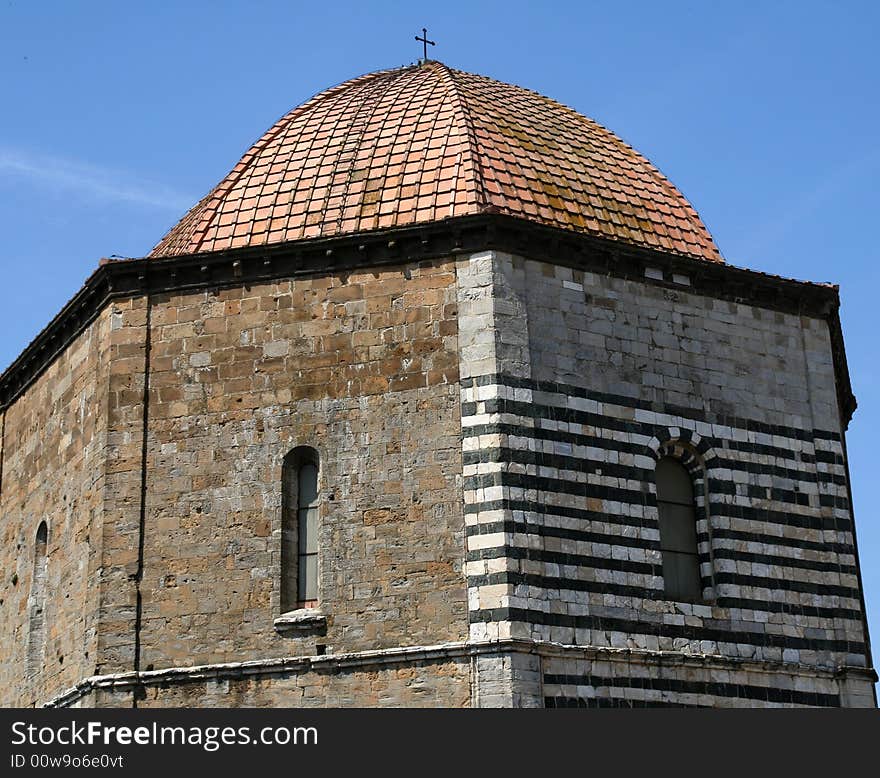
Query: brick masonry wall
(52, 471)
(572, 386)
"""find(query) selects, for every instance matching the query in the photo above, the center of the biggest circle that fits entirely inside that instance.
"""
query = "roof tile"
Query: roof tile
(424, 143)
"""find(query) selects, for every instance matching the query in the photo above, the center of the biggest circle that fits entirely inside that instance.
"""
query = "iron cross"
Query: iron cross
(425, 41)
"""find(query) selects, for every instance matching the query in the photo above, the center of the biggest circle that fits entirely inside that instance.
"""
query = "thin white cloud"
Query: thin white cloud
(60, 174)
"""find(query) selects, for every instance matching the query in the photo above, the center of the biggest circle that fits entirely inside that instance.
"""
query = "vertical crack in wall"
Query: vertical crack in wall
(139, 574)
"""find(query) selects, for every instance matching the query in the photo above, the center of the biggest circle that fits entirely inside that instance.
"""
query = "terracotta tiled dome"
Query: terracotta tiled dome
(425, 143)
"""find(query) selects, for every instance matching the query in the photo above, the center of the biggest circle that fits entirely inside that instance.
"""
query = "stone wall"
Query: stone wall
(361, 367)
(521, 673)
(52, 470)
(579, 384)
(116, 581)
(487, 429)
(315, 682)
(620, 679)
(178, 563)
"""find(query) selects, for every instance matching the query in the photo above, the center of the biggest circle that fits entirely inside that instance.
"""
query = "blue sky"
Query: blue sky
(116, 117)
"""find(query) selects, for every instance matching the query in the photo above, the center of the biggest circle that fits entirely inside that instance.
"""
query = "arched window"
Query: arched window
(678, 531)
(37, 602)
(299, 530)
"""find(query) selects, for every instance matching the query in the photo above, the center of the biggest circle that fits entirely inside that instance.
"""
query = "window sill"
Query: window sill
(301, 620)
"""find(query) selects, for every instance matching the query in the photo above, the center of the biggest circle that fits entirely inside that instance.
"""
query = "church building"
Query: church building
(443, 396)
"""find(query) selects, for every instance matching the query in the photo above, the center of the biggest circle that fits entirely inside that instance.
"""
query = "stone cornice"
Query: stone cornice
(459, 650)
(115, 279)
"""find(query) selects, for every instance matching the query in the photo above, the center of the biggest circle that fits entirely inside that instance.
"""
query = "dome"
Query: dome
(425, 143)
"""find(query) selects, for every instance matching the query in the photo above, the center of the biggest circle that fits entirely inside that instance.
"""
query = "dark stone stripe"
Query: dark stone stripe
(540, 508)
(778, 495)
(724, 533)
(559, 486)
(610, 444)
(625, 590)
(766, 450)
(715, 688)
(558, 436)
(767, 516)
(807, 476)
(558, 461)
(552, 387)
(547, 531)
(528, 506)
(611, 702)
(787, 584)
(717, 486)
(733, 635)
(583, 536)
(826, 435)
(783, 496)
(552, 583)
(520, 456)
(596, 441)
(783, 561)
(833, 501)
(554, 413)
(616, 494)
(789, 609)
(508, 577)
(828, 457)
(562, 558)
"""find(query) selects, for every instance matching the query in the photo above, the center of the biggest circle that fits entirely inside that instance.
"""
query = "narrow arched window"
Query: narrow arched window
(37, 601)
(299, 530)
(678, 531)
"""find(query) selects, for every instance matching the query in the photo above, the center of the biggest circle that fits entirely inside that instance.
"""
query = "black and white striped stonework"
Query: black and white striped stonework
(563, 540)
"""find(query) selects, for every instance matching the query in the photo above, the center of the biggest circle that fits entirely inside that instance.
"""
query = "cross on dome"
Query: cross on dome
(424, 40)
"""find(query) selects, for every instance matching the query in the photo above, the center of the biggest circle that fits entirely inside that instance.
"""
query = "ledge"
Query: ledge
(379, 658)
(301, 620)
(115, 279)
